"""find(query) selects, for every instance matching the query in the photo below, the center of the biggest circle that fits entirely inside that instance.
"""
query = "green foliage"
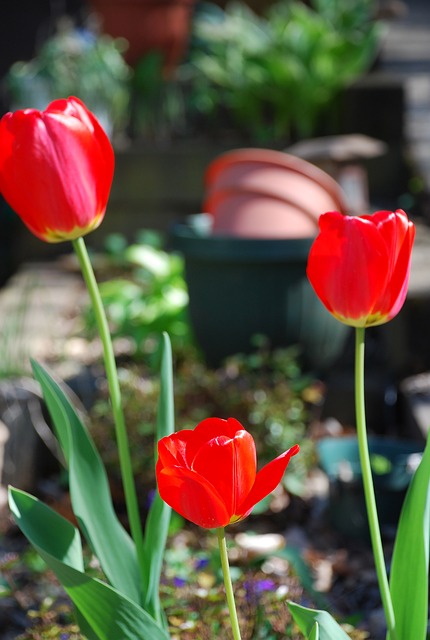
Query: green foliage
(104, 612)
(108, 614)
(157, 524)
(147, 298)
(157, 105)
(410, 562)
(279, 73)
(308, 619)
(93, 509)
(77, 63)
(315, 633)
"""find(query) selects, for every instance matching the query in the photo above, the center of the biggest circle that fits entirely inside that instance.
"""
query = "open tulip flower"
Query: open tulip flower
(209, 474)
(56, 169)
(359, 265)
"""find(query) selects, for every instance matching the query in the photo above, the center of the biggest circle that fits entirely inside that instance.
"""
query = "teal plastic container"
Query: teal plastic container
(239, 288)
(393, 464)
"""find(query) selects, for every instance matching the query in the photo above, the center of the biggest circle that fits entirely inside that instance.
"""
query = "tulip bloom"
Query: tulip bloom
(359, 265)
(56, 169)
(209, 474)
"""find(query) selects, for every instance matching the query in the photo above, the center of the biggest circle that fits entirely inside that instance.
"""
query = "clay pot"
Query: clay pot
(148, 25)
(253, 214)
(268, 194)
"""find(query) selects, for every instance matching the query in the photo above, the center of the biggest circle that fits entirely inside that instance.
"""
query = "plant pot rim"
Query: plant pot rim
(395, 449)
(214, 198)
(272, 157)
(194, 245)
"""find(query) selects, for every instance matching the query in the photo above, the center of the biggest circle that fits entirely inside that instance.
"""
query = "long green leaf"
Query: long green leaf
(108, 613)
(410, 562)
(89, 491)
(306, 619)
(157, 524)
(315, 633)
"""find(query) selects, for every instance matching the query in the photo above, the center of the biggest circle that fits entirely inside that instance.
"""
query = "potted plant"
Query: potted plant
(148, 25)
(276, 76)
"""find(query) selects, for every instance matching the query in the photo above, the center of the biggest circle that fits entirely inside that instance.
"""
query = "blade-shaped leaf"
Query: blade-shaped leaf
(328, 628)
(157, 524)
(89, 491)
(38, 521)
(410, 562)
(108, 614)
(315, 633)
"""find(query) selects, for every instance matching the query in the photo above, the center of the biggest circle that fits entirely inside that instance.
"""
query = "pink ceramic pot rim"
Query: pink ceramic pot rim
(214, 199)
(276, 158)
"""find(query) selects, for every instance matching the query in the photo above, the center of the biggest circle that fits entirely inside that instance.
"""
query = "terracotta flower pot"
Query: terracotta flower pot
(148, 25)
(253, 214)
(269, 194)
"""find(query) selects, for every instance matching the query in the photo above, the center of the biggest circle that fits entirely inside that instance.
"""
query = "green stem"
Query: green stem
(228, 584)
(369, 492)
(115, 398)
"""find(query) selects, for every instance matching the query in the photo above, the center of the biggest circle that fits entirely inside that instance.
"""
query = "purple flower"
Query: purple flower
(179, 582)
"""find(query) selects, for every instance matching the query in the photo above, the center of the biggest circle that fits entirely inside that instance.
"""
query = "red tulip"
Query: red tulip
(209, 474)
(56, 169)
(359, 265)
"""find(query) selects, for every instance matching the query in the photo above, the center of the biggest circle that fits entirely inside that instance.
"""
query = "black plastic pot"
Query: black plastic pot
(393, 465)
(239, 288)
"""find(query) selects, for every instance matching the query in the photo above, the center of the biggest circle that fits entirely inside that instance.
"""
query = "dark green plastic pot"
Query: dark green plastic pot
(240, 288)
(393, 464)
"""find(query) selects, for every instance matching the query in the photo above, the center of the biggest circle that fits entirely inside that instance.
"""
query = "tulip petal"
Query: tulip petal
(229, 464)
(192, 496)
(399, 234)
(172, 450)
(267, 479)
(348, 266)
(56, 169)
(211, 428)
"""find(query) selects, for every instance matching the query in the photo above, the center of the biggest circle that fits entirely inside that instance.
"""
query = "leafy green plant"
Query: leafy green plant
(277, 74)
(134, 606)
(75, 62)
(148, 296)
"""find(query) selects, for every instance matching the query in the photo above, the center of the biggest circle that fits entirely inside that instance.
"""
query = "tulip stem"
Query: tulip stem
(369, 491)
(227, 583)
(115, 398)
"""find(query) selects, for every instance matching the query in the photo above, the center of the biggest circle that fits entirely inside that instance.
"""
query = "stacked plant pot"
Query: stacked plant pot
(262, 193)
(246, 266)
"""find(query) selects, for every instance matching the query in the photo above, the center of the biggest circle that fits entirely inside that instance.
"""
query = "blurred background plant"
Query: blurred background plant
(274, 76)
(78, 62)
(144, 296)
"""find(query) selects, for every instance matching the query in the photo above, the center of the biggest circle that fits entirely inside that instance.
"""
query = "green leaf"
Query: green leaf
(306, 619)
(89, 491)
(315, 633)
(157, 525)
(108, 614)
(410, 562)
